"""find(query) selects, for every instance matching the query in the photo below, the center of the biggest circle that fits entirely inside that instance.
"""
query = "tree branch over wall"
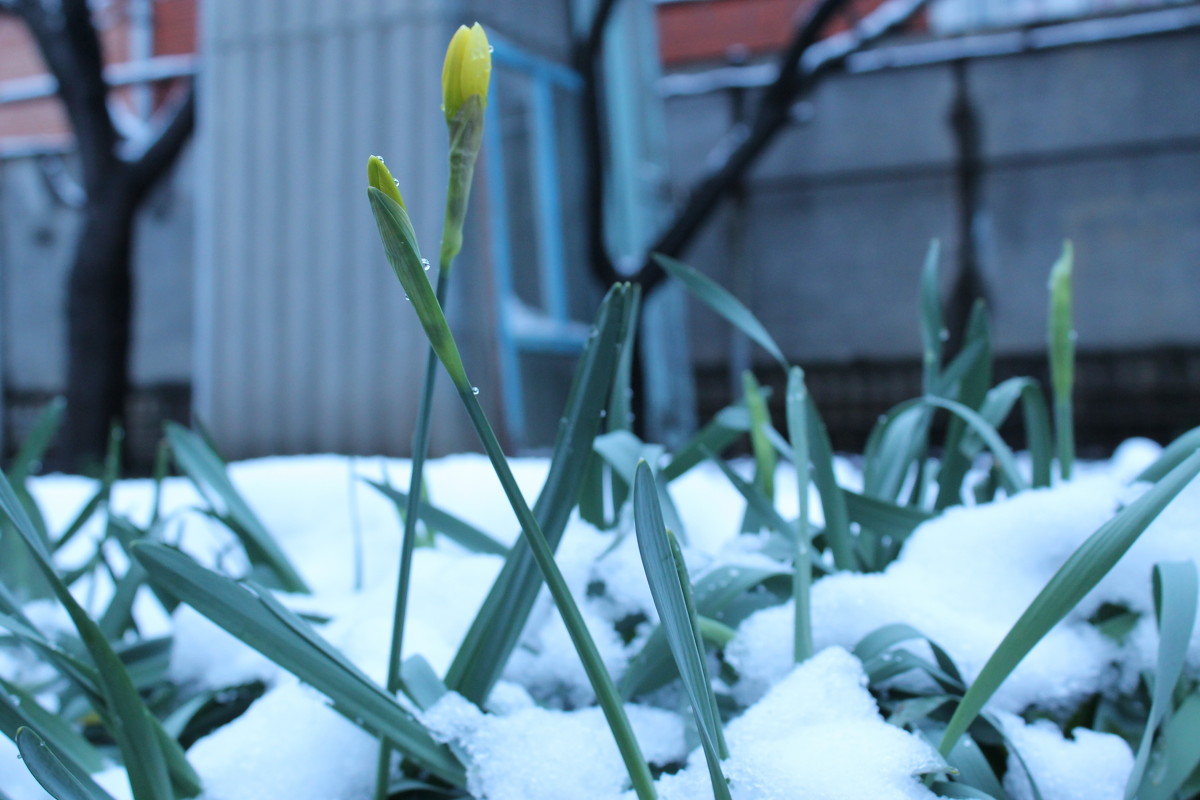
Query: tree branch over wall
(802, 65)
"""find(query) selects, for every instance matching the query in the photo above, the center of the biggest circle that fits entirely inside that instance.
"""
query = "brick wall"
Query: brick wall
(41, 119)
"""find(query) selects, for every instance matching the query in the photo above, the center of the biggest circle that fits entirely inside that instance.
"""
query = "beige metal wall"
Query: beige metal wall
(304, 342)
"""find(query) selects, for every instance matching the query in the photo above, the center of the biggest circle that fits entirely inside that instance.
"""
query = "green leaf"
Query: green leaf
(1175, 598)
(913, 409)
(421, 683)
(497, 627)
(619, 417)
(1081, 572)
(1179, 747)
(881, 661)
(760, 446)
(757, 501)
(971, 392)
(400, 246)
(454, 528)
(40, 437)
(996, 408)
(933, 329)
(833, 499)
(796, 402)
(206, 470)
(1172, 456)
(132, 725)
(975, 773)
(1062, 356)
(729, 424)
(258, 620)
(671, 590)
(622, 451)
(883, 516)
(712, 295)
(20, 709)
(59, 781)
(727, 595)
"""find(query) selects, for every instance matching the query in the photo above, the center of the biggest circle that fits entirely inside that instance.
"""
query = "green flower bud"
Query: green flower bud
(467, 70)
(381, 178)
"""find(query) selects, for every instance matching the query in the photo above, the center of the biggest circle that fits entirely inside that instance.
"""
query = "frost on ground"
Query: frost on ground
(811, 731)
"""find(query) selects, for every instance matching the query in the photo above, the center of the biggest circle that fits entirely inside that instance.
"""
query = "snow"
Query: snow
(289, 744)
(817, 734)
(542, 754)
(1089, 766)
(811, 730)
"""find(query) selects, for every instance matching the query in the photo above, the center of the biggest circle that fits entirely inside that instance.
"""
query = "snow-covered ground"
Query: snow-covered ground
(810, 731)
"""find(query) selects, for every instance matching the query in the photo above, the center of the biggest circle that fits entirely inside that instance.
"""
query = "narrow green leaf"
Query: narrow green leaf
(996, 408)
(881, 661)
(259, 621)
(1180, 753)
(1172, 456)
(19, 709)
(760, 446)
(884, 517)
(1081, 572)
(1061, 337)
(796, 401)
(421, 683)
(1175, 599)
(756, 500)
(454, 528)
(1011, 476)
(595, 505)
(898, 441)
(58, 780)
(972, 391)
(933, 329)
(400, 246)
(726, 595)
(206, 470)
(622, 451)
(133, 726)
(85, 513)
(712, 295)
(729, 424)
(833, 500)
(670, 589)
(974, 770)
(40, 437)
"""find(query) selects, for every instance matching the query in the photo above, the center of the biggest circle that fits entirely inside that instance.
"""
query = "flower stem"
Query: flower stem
(606, 692)
(420, 449)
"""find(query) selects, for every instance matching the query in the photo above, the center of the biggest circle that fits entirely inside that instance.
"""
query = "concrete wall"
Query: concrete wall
(304, 341)
(1097, 143)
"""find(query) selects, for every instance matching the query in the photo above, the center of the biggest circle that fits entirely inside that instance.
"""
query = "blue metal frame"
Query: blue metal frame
(561, 334)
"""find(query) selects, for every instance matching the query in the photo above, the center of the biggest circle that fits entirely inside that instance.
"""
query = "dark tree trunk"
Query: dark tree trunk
(99, 309)
(99, 327)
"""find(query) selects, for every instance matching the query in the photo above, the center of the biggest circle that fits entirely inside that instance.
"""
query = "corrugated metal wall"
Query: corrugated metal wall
(304, 341)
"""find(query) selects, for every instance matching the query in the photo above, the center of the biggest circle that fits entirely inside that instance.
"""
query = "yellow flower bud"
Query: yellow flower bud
(381, 178)
(467, 70)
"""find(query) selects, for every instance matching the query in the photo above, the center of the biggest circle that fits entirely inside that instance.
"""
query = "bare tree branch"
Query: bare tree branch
(586, 56)
(70, 46)
(802, 65)
(163, 151)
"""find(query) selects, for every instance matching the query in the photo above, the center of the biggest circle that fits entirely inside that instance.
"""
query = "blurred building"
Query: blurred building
(263, 302)
(264, 306)
(1000, 128)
